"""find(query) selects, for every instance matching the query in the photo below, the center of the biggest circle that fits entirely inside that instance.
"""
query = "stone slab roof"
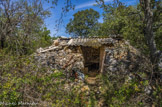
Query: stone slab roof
(91, 41)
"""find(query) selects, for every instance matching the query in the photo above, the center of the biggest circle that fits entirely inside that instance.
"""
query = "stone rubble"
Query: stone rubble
(59, 56)
(121, 59)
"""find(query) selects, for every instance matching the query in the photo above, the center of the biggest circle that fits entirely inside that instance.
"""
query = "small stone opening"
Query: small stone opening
(91, 60)
(93, 67)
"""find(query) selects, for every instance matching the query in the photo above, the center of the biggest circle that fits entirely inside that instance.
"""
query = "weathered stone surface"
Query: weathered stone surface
(124, 58)
(120, 59)
(61, 57)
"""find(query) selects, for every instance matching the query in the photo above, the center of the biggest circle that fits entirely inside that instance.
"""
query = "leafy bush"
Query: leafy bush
(23, 82)
(122, 92)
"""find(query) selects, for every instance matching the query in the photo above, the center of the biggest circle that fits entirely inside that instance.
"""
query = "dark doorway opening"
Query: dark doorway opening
(91, 60)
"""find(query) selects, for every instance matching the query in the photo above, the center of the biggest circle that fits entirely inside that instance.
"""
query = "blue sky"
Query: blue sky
(50, 22)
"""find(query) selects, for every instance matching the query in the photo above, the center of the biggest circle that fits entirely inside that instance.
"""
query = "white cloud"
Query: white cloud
(89, 4)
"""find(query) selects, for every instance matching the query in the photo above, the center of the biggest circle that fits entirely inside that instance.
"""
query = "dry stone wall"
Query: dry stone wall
(123, 59)
(122, 63)
(120, 59)
(61, 58)
(125, 63)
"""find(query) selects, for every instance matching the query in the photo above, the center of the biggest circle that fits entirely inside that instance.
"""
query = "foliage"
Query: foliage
(84, 23)
(22, 81)
(123, 20)
(158, 38)
(128, 22)
(20, 24)
(121, 92)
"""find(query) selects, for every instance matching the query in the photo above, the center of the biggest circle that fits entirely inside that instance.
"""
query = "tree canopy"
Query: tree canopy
(20, 23)
(83, 23)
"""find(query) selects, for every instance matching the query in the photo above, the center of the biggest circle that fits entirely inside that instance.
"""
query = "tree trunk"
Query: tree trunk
(148, 33)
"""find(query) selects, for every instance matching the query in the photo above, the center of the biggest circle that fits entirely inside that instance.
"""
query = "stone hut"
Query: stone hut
(93, 51)
(93, 55)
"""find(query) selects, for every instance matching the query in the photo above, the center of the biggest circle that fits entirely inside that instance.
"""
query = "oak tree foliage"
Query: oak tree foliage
(20, 22)
(83, 23)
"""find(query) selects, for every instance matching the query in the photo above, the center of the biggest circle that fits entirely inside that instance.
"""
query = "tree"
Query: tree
(123, 20)
(149, 20)
(140, 25)
(20, 21)
(83, 23)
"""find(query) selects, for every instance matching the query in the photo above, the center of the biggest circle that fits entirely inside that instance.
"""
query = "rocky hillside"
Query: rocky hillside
(123, 63)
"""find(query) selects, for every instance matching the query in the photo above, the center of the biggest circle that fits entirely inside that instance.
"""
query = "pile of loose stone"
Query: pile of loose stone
(120, 59)
(60, 56)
